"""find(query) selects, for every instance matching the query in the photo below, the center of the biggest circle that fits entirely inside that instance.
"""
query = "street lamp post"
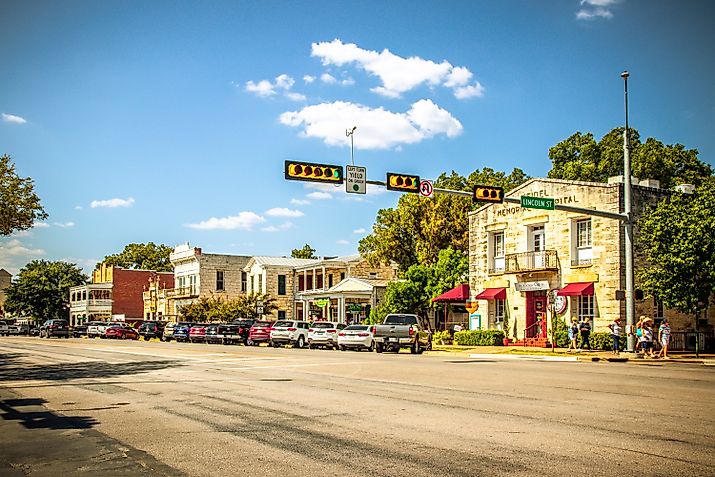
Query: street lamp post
(628, 223)
(349, 133)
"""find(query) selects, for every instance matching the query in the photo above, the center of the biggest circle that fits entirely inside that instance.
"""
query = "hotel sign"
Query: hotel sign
(544, 203)
(532, 286)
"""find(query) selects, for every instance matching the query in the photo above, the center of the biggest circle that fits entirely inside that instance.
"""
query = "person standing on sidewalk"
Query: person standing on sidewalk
(616, 333)
(573, 335)
(664, 338)
(585, 330)
(647, 338)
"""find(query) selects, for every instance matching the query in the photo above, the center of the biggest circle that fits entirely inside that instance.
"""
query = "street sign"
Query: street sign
(259, 310)
(426, 188)
(543, 203)
(355, 179)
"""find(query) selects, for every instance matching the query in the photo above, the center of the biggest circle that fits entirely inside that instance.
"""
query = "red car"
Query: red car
(260, 332)
(197, 333)
(121, 331)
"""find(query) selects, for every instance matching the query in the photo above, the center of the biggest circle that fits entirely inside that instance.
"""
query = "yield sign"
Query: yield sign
(426, 189)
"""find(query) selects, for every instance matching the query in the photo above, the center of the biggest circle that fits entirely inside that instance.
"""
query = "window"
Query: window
(497, 252)
(281, 314)
(330, 281)
(585, 308)
(259, 277)
(499, 311)
(244, 282)
(281, 284)
(583, 252)
(342, 276)
(219, 280)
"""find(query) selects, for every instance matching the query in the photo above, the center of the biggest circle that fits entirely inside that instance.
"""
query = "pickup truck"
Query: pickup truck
(401, 331)
(4, 328)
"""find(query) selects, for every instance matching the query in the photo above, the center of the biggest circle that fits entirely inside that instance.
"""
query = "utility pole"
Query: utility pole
(628, 223)
(350, 133)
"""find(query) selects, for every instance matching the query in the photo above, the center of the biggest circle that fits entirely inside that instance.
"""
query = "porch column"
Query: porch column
(325, 279)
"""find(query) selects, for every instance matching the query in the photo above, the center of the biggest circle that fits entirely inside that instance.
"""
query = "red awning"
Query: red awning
(458, 294)
(576, 289)
(492, 294)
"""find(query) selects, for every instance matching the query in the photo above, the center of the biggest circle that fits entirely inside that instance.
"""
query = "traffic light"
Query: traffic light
(403, 182)
(488, 194)
(307, 171)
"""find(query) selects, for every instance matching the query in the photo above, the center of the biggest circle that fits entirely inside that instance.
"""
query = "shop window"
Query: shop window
(586, 307)
(499, 311)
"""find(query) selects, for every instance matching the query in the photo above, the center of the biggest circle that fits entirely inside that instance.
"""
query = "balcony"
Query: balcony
(546, 260)
(183, 292)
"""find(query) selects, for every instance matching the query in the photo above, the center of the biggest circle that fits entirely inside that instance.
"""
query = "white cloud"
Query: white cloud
(11, 118)
(328, 78)
(308, 79)
(594, 9)
(272, 228)
(320, 195)
(78, 207)
(15, 248)
(284, 212)
(263, 88)
(282, 84)
(359, 231)
(112, 203)
(242, 221)
(64, 225)
(299, 202)
(295, 96)
(397, 74)
(40, 225)
(347, 82)
(379, 128)
(343, 242)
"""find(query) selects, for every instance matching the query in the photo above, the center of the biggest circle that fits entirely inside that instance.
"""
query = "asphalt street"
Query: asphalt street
(99, 407)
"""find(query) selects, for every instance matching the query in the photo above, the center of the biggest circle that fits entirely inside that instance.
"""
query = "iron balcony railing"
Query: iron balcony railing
(183, 292)
(531, 261)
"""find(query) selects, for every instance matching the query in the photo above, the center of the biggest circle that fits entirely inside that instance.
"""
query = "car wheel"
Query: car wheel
(301, 342)
(274, 344)
(415, 348)
(378, 347)
(341, 347)
(249, 342)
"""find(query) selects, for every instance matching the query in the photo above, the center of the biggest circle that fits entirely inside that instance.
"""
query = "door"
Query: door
(536, 314)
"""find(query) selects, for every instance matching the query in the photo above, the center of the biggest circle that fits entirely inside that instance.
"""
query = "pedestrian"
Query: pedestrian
(616, 333)
(664, 338)
(585, 329)
(647, 338)
(573, 335)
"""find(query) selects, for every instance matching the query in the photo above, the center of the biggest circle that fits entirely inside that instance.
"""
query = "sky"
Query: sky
(170, 121)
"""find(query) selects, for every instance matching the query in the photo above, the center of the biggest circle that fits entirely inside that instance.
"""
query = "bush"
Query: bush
(479, 338)
(603, 341)
(562, 334)
(442, 337)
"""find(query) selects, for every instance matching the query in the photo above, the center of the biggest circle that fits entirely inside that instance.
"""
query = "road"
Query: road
(99, 407)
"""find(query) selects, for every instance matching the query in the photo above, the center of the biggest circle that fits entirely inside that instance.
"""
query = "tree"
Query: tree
(418, 229)
(42, 289)
(142, 257)
(19, 205)
(214, 309)
(306, 252)
(677, 238)
(581, 158)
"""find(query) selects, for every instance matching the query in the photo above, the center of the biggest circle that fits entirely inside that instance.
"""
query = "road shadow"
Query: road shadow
(41, 419)
(12, 369)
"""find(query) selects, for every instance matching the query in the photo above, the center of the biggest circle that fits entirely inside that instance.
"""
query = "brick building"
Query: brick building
(115, 293)
(518, 255)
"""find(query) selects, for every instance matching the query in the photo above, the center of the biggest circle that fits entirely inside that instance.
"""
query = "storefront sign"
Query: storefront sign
(321, 302)
(532, 286)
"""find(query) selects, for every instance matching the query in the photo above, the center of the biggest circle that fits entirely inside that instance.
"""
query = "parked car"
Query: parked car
(244, 328)
(324, 334)
(95, 329)
(181, 331)
(260, 332)
(401, 331)
(228, 334)
(357, 337)
(4, 328)
(293, 332)
(151, 329)
(121, 331)
(211, 335)
(197, 333)
(21, 328)
(59, 328)
(79, 330)
(168, 333)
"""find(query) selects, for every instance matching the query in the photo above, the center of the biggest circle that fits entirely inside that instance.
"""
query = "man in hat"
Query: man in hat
(615, 328)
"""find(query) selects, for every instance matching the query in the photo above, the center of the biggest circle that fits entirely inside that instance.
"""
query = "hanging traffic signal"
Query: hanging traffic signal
(488, 194)
(403, 182)
(307, 171)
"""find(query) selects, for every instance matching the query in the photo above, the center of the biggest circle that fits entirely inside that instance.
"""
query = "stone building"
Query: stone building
(523, 259)
(198, 274)
(5, 281)
(157, 303)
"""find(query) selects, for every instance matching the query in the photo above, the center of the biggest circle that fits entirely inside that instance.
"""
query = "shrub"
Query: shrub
(442, 337)
(603, 341)
(562, 334)
(479, 338)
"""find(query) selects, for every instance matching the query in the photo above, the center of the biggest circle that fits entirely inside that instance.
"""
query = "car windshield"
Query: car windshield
(283, 324)
(357, 328)
(323, 324)
(400, 320)
(261, 323)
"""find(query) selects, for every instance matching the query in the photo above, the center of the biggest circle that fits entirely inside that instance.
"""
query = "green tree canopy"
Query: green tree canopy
(141, 256)
(580, 157)
(678, 239)
(19, 205)
(42, 289)
(214, 309)
(306, 252)
(418, 228)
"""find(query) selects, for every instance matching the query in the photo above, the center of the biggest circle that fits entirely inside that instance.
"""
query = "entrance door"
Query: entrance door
(536, 314)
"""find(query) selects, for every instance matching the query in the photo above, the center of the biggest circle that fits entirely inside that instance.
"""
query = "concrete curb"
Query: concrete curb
(523, 357)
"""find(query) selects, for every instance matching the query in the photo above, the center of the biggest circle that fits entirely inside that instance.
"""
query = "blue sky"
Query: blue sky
(170, 121)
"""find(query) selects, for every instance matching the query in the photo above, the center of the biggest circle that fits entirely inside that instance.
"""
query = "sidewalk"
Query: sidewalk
(561, 354)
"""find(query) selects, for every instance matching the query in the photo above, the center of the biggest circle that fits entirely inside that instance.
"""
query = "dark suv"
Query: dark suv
(55, 328)
(152, 329)
(244, 326)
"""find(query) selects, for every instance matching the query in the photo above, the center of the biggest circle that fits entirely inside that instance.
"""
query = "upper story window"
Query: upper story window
(538, 239)
(281, 284)
(219, 281)
(259, 278)
(583, 251)
(342, 276)
(244, 282)
(330, 280)
(496, 252)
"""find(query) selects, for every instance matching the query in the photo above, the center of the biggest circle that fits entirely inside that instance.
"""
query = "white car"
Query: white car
(357, 337)
(96, 329)
(324, 333)
(292, 332)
